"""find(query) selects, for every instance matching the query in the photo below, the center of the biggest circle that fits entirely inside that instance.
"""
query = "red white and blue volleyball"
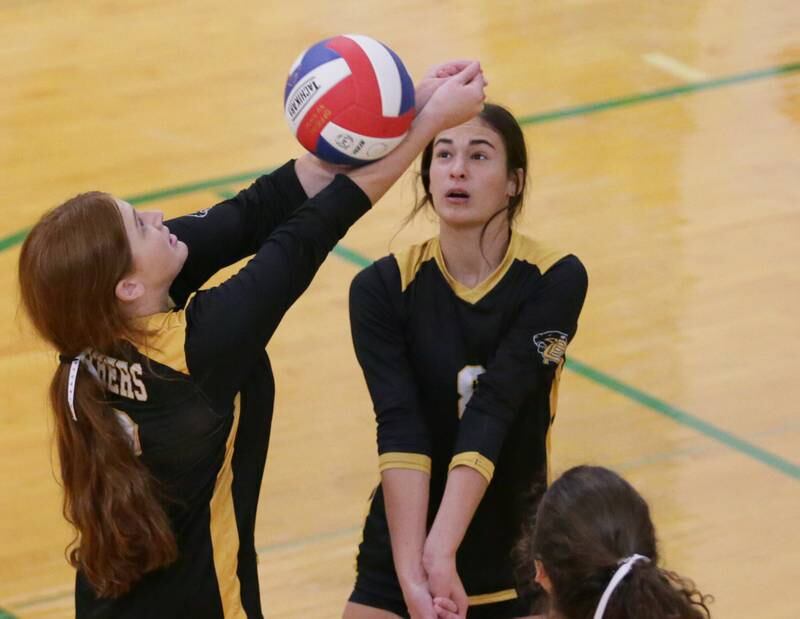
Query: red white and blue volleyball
(349, 99)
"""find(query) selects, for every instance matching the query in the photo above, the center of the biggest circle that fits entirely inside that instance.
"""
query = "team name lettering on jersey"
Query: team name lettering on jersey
(120, 377)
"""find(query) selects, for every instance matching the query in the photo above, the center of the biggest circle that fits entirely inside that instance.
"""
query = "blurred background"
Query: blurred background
(665, 148)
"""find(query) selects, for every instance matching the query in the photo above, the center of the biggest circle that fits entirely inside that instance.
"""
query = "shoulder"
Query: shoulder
(374, 275)
(393, 273)
(569, 269)
(410, 260)
(554, 264)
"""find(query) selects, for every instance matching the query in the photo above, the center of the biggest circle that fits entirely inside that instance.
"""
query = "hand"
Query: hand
(444, 583)
(446, 608)
(456, 99)
(315, 174)
(435, 77)
(418, 600)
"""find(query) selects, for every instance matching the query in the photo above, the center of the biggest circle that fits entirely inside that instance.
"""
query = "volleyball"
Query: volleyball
(349, 99)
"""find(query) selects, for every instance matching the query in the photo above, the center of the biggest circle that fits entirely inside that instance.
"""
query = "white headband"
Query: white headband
(74, 364)
(625, 566)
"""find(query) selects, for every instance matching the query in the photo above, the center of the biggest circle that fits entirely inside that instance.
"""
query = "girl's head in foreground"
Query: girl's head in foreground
(474, 173)
(90, 265)
(86, 270)
(591, 526)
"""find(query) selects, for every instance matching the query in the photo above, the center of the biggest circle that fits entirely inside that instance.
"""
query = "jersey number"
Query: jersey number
(467, 381)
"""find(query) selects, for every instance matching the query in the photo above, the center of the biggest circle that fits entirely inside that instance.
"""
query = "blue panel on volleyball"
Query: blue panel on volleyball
(314, 57)
(327, 152)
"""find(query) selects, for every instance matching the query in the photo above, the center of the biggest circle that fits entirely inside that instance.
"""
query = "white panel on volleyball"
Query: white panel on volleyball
(311, 87)
(356, 145)
(385, 68)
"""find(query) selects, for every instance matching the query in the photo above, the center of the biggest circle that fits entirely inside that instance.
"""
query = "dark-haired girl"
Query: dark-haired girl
(461, 340)
(593, 547)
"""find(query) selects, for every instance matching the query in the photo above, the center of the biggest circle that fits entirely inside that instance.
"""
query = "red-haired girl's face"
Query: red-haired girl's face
(158, 255)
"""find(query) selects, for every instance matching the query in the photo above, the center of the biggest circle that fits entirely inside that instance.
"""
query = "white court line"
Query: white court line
(675, 67)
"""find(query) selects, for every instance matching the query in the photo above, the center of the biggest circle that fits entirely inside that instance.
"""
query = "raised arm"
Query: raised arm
(235, 228)
(244, 312)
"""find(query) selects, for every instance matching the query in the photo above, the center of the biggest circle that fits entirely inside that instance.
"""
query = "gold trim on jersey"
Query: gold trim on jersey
(533, 252)
(403, 460)
(520, 247)
(553, 407)
(491, 598)
(474, 460)
(224, 531)
(412, 258)
(166, 345)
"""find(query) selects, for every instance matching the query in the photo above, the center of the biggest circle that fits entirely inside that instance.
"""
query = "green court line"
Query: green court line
(568, 112)
(666, 93)
(685, 419)
(654, 404)
(13, 239)
(303, 542)
(226, 194)
(351, 256)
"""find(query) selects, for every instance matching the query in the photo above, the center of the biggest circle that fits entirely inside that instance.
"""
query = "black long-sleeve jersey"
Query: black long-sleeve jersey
(469, 377)
(197, 399)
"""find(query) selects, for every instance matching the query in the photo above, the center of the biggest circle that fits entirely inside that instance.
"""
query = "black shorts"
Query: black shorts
(377, 585)
(371, 592)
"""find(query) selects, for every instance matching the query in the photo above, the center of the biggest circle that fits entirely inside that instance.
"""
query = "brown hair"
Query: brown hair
(69, 267)
(587, 521)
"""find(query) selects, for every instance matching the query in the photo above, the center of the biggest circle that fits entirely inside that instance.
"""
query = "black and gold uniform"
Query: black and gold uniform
(197, 400)
(463, 376)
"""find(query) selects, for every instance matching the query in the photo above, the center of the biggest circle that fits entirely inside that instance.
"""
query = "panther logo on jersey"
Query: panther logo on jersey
(200, 214)
(551, 346)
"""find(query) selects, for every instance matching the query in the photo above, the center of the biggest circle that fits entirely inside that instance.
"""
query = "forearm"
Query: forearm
(220, 236)
(376, 178)
(462, 495)
(405, 494)
(314, 174)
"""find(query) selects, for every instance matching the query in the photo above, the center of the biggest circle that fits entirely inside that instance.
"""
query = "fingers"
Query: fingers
(445, 608)
(456, 99)
(468, 73)
(450, 68)
(445, 604)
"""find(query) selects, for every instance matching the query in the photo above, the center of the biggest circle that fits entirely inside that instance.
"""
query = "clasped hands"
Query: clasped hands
(438, 593)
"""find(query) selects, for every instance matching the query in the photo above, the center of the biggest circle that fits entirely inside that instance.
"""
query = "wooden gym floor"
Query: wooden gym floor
(665, 140)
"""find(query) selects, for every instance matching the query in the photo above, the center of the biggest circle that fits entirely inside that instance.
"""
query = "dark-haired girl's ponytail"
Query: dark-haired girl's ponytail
(625, 566)
(650, 591)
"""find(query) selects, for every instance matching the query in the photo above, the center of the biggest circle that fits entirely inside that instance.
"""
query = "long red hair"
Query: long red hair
(69, 267)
